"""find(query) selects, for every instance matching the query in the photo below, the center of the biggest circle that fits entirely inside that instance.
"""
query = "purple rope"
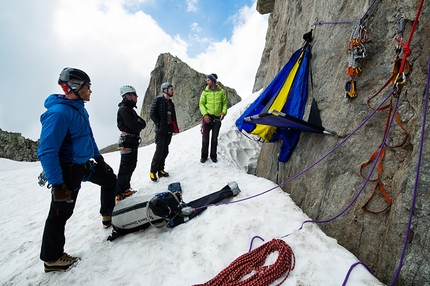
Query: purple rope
(346, 21)
(352, 267)
(365, 14)
(335, 23)
(252, 241)
(306, 169)
(416, 179)
(370, 173)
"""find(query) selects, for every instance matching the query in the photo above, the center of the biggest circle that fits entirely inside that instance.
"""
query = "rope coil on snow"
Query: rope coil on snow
(249, 268)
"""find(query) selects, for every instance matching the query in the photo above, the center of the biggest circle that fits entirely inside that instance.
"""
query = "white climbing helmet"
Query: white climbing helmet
(126, 89)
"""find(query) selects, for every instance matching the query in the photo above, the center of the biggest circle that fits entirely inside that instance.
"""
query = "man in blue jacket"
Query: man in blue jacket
(66, 147)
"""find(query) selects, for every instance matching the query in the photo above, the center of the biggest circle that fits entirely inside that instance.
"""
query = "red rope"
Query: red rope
(250, 265)
(406, 47)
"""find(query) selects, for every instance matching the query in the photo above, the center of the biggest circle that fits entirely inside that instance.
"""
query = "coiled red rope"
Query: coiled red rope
(251, 265)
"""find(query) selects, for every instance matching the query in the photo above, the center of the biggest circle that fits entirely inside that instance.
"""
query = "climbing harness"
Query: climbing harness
(249, 268)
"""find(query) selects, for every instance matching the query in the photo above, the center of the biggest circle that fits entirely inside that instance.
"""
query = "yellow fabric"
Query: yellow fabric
(265, 131)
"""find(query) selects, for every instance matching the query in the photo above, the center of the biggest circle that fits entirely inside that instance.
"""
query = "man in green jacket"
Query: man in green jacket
(213, 106)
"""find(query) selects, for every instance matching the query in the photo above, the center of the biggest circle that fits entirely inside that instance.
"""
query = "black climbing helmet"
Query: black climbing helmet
(165, 86)
(75, 79)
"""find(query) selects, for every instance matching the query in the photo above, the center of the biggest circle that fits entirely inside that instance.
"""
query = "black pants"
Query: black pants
(53, 239)
(162, 142)
(126, 168)
(215, 126)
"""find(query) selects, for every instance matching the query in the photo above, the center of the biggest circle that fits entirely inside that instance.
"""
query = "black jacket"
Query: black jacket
(159, 110)
(128, 121)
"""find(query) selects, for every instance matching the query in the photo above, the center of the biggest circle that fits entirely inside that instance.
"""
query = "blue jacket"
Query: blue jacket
(66, 136)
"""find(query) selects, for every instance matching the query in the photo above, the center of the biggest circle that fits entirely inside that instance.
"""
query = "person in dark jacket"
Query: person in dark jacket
(130, 125)
(164, 117)
(65, 151)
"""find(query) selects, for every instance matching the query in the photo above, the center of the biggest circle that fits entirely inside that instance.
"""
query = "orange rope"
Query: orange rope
(250, 265)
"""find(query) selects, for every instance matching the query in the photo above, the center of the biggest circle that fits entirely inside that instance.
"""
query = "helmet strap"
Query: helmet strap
(67, 90)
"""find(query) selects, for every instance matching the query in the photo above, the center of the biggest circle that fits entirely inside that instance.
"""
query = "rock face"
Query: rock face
(15, 147)
(188, 85)
(328, 188)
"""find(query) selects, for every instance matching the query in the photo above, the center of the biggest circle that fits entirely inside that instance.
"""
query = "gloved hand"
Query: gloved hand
(207, 118)
(101, 161)
(61, 193)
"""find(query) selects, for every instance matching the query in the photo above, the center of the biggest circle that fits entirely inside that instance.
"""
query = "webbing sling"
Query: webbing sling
(378, 181)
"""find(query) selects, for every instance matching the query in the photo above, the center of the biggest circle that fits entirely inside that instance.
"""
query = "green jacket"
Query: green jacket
(213, 102)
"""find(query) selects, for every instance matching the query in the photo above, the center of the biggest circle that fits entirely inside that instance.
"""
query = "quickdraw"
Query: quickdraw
(356, 51)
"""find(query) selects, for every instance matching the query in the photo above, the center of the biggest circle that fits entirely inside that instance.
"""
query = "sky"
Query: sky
(191, 253)
(117, 42)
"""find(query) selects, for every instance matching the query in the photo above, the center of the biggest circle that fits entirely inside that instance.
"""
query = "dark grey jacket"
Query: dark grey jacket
(159, 111)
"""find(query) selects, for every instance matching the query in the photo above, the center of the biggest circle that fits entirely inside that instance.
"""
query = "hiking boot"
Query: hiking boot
(162, 173)
(202, 160)
(127, 193)
(61, 264)
(106, 221)
(214, 160)
(153, 176)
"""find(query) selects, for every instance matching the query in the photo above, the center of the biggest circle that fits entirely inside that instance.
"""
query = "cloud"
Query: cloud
(236, 61)
(192, 5)
(114, 46)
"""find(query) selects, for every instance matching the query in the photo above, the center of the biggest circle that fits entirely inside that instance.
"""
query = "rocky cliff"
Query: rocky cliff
(328, 188)
(16, 147)
(188, 85)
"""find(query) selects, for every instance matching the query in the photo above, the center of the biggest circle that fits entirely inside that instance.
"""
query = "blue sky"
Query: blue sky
(117, 42)
(197, 22)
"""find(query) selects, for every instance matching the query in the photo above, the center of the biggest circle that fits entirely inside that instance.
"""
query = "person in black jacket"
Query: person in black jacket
(130, 125)
(164, 117)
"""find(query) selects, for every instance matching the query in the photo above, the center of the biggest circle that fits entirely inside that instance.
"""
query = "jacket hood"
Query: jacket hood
(217, 87)
(54, 99)
(127, 103)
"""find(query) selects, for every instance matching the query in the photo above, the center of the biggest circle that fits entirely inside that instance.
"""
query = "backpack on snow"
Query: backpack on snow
(137, 213)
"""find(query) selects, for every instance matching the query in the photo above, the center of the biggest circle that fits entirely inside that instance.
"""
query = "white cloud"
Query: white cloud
(195, 27)
(192, 5)
(236, 61)
(113, 46)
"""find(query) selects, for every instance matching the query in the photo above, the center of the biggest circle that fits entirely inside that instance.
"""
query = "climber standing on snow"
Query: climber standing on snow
(164, 117)
(130, 124)
(65, 151)
(213, 106)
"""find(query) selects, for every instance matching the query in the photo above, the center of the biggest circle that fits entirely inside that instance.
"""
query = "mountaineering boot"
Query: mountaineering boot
(127, 193)
(106, 221)
(153, 176)
(162, 173)
(61, 264)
